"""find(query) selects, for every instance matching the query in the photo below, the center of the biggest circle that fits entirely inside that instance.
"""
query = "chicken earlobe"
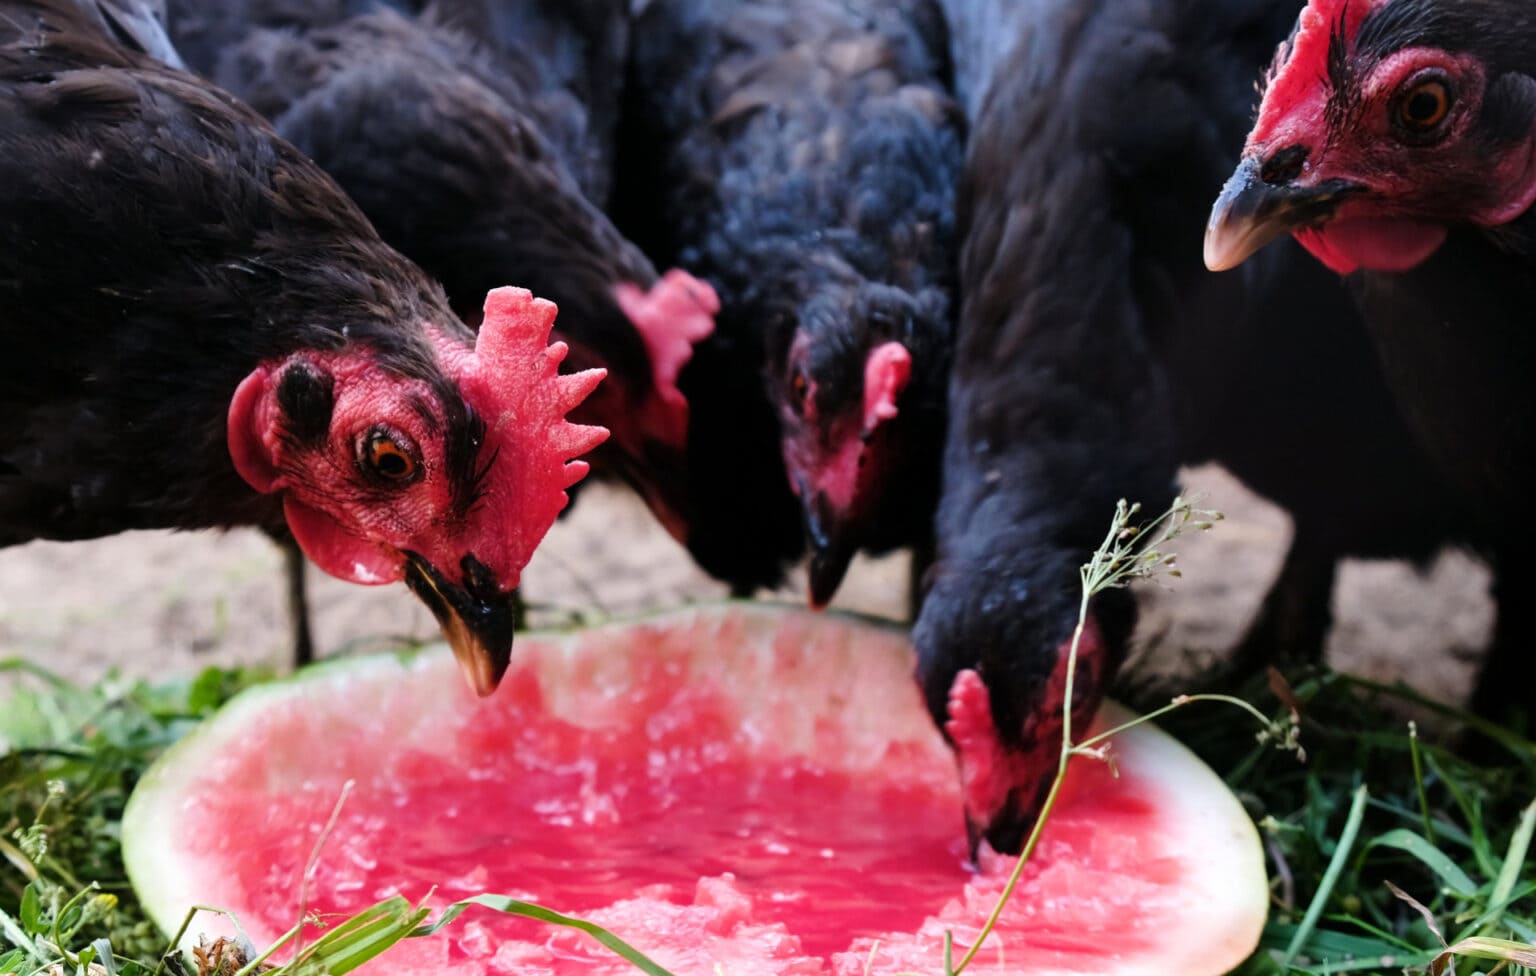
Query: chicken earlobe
(252, 431)
(886, 373)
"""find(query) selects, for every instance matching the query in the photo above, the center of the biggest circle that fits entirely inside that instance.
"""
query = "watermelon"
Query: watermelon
(734, 789)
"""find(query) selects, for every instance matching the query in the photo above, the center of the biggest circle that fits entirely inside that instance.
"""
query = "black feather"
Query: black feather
(801, 156)
(1095, 354)
(158, 242)
(307, 396)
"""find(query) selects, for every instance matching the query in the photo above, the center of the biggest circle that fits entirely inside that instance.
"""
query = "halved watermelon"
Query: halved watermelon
(736, 789)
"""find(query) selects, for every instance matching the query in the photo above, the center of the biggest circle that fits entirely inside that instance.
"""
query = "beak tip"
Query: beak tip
(828, 567)
(486, 667)
(1250, 213)
(483, 666)
(1219, 256)
(477, 622)
(832, 549)
(817, 598)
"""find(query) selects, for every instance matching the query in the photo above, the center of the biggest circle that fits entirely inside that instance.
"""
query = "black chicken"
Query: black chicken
(802, 157)
(1095, 354)
(484, 163)
(201, 330)
(1397, 142)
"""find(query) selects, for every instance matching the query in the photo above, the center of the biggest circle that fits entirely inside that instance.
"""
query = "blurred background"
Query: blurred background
(151, 603)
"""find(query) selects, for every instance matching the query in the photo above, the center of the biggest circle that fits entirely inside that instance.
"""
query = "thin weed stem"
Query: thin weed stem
(1418, 780)
(1128, 553)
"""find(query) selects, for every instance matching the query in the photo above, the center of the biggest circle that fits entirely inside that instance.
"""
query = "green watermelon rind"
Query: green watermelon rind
(1212, 935)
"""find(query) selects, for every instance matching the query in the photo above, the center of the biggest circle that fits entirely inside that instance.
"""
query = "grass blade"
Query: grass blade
(1470, 813)
(1495, 950)
(513, 906)
(368, 942)
(1339, 945)
(1509, 873)
(1521, 748)
(1418, 781)
(1341, 852)
(1432, 857)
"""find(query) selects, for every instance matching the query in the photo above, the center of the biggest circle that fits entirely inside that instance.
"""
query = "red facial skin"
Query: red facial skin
(344, 531)
(1416, 185)
(358, 526)
(845, 461)
(1297, 93)
(998, 780)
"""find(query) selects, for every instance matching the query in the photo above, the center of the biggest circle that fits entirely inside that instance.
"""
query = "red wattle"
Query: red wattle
(1373, 243)
(337, 551)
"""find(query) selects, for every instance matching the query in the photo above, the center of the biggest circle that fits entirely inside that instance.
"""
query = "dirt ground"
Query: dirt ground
(155, 604)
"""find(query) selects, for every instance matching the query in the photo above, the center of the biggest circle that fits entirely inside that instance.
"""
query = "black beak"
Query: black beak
(477, 618)
(1005, 835)
(831, 548)
(1008, 828)
(1250, 212)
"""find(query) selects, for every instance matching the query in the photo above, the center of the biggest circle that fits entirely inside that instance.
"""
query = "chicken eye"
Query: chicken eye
(800, 385)
(1424, 106)
(387, 458)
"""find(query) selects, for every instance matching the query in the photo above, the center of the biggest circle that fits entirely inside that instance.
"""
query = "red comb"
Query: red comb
(1301, 70)
(512, 380)
(674, 316)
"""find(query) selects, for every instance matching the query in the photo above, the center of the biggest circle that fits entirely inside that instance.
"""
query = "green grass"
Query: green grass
(1387, 851)
(69, 757)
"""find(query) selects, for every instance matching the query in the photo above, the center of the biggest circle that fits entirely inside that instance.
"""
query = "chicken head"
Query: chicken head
(448, 484)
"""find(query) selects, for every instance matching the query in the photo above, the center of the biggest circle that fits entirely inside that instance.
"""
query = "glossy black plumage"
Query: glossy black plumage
(802, 157)
(1095, 354)
(168, 264)
(479, 139)
(458, 152)
(159, 243)
(1455, 333)
(1456, 336)
(1430, 218)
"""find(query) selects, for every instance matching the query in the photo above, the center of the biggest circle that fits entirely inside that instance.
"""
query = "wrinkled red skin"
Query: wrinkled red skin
(1297, 93)
(1002, 783)
(359, 528)
(1413, 192)
(345, 529)
(847, 460)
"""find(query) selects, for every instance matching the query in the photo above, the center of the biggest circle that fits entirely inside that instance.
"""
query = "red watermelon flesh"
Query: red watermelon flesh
(735, 790)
